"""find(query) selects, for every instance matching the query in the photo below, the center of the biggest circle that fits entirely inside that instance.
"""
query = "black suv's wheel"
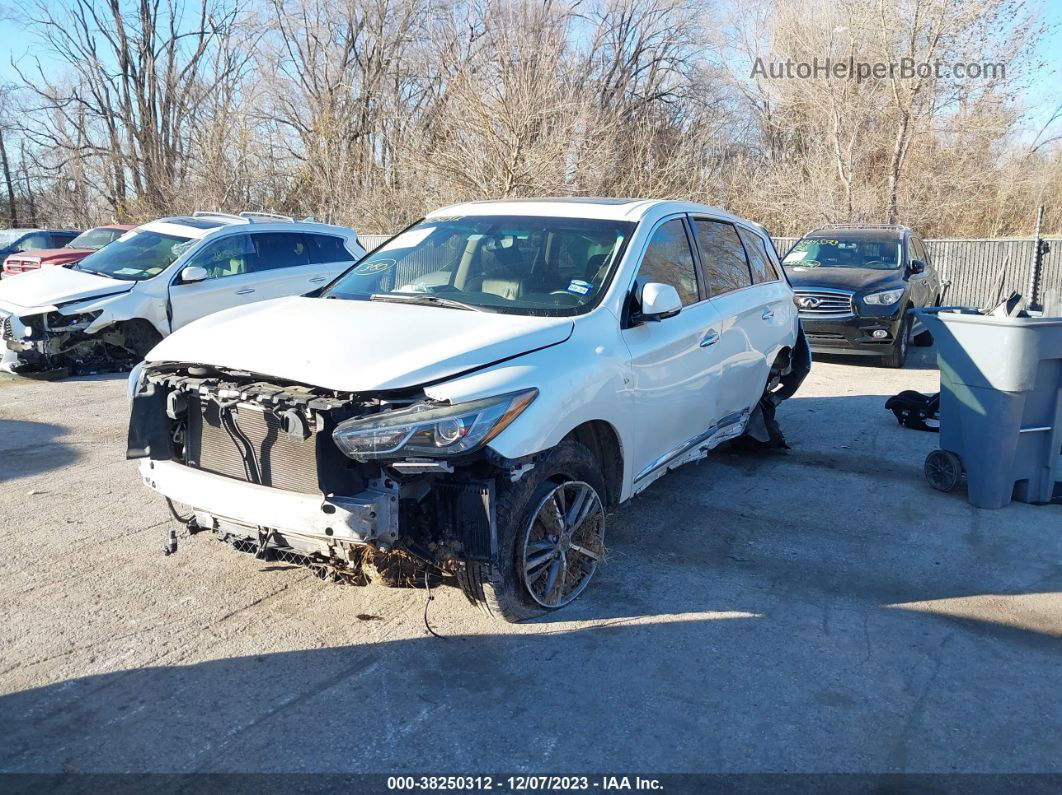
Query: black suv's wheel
(551, 537)
(897, 357)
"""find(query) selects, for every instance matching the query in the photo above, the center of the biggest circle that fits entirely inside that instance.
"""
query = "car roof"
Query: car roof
(853, 232)
(610, 209)
(23, 230)
(123, 227)
(199, 226)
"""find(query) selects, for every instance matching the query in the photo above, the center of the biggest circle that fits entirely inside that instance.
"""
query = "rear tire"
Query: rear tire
(543, 563)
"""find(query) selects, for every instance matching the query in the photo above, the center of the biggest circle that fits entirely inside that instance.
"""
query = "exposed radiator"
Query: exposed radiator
(283, 462)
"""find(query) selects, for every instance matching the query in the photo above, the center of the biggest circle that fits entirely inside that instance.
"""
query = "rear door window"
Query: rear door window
(723, 260)
(759, 260)
(277, 250)
(668, 260)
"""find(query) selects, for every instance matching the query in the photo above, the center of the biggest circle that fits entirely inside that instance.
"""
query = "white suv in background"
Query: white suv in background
(474, 395)
(112, 307)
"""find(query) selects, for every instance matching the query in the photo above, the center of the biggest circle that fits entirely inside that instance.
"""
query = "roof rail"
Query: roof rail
(212, 214)
(863, 226)
(251, 215)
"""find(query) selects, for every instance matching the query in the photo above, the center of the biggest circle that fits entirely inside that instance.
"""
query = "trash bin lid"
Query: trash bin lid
(993, 352)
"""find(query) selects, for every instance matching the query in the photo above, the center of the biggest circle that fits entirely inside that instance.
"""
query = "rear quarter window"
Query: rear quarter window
(328, 248)
(760, 263)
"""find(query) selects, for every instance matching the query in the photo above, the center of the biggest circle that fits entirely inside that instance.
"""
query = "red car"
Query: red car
(73, 252)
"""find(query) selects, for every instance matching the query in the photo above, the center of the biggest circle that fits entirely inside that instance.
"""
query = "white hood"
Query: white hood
(46, 288)
(357, 346)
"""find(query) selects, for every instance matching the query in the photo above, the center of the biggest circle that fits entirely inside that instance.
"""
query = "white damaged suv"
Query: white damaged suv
(107, 311)
(474, 396)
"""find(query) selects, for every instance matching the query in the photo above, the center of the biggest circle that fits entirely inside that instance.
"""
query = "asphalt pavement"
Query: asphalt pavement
(819, 609)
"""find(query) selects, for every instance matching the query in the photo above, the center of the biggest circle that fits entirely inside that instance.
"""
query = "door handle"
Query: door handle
(319, 279)
(767, 314)
(245, 291)
(709, 339)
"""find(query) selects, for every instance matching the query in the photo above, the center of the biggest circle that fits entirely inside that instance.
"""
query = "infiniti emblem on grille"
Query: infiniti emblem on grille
(808, 302)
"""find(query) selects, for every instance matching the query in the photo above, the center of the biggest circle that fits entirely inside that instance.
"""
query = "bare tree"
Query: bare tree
(133, 87)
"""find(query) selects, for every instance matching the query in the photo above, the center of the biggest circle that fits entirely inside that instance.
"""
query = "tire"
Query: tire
(503, 590)
(141, 337)
(897, 357)
(943, 470)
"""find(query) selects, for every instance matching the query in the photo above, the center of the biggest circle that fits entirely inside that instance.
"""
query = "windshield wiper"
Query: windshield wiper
(426, 299)
(95, 273)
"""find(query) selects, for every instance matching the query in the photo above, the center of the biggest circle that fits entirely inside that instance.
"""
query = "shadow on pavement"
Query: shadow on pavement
(29, 448)
(814, 610)
(918, 358)
(692, 692)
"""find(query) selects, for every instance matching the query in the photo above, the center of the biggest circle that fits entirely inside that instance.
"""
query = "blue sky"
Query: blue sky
(1042, 97)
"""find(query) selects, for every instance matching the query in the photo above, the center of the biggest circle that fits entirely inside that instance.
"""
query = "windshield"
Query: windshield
(93, 238)
(816, 252)
(135, 256)
(515, 264)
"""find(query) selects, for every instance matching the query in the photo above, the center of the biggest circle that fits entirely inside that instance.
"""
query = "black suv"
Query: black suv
(854, 285)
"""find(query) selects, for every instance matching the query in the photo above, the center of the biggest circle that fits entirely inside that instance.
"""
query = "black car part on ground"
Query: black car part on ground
(915, 410)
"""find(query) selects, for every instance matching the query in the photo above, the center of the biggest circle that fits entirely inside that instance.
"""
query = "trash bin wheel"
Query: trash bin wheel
(943, 470)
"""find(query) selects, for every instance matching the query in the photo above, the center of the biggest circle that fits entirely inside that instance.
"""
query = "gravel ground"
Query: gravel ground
(815, 610)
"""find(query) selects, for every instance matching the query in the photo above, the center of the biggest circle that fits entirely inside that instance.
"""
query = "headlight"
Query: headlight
(884, 298)
(59, 322)
(136, 380)
(430, 430)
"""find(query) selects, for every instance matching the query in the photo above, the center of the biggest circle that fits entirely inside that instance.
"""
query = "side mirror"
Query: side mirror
(659, 301)
(194, 273)
(918, 266)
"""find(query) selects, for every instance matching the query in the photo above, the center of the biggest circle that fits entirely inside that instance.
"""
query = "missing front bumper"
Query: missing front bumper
(371, 516)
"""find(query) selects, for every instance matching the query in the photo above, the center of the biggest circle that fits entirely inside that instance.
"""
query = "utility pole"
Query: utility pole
(1040, 248)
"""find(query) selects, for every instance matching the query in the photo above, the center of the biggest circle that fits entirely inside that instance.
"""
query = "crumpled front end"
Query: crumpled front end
(46, 342)
(256, 461)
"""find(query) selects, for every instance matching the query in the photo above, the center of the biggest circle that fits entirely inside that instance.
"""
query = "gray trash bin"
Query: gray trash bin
(1000, 406)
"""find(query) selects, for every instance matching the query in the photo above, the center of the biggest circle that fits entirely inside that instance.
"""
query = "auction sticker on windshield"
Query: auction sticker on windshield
(376, 266)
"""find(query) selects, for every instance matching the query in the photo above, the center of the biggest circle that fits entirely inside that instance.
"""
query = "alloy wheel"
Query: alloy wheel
(563, 543)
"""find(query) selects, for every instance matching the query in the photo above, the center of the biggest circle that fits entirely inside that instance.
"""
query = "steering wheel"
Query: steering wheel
(573, 300)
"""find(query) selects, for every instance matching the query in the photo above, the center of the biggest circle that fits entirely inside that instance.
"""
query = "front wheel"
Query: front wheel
(551, 537)
(897, 357)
